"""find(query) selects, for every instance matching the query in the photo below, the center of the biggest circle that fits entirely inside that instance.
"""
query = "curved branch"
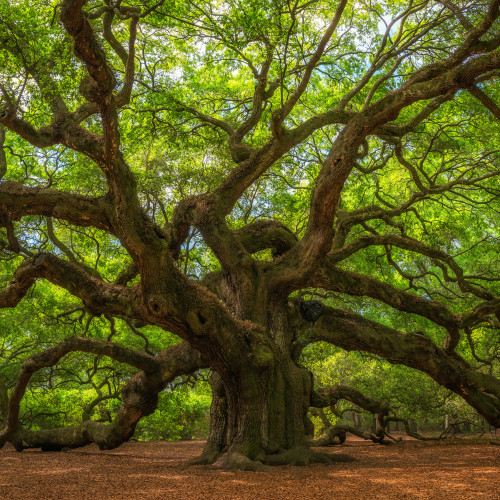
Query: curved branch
(107, 22)
(99, 297)
(443, 78)
(458, 13)
(261, 235)
(216, 122)
(86, 47)
(340, 280)
(336, 434)
(351, 331)
(412, 245)
(330, 396)
(19, 200)
(98, 87)
(122, 98)
(486, 100)
(51, 356)
(280, 114)
(139, 396)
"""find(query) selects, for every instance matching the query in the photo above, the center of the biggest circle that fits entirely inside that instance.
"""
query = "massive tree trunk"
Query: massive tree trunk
(260, 406)
(260, 415)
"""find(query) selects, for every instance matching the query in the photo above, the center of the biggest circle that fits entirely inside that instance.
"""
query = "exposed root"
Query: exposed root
(237, 461)
(301, 455)
(496, 442)
(208, 456)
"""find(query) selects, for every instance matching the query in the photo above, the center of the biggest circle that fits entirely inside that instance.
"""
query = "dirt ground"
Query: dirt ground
(455, 469)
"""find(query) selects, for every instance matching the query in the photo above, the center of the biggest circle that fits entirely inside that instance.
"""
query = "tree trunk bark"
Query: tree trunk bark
(260, 417)
(4, 404)
(357, 420)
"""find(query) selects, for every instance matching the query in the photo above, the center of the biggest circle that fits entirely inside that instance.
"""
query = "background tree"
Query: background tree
(203, 168)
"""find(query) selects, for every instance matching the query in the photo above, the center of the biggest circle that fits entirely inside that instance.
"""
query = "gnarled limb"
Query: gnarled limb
(139, 396)
(19, 200)
(351, 331)
(432, 81)
(51, 356)
(340, 280)
(330, 397)
(458, 13)
(416, 246)
(98, 296)
(133, 229)
(122, 98)
(261, 235)
(336, 434)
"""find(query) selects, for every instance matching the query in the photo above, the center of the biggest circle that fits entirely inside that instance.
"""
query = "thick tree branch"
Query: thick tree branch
(216, 122)
(266, 234)
(86, 46)
(486, 100)
(122, 98)
(98, 87)
(458, 13)
(416, 246)
(18, 201)
(139, 396)
(343, 281)
(351, 331)
(99, 297)
(330, 396)
(443, 78)
(51, 356)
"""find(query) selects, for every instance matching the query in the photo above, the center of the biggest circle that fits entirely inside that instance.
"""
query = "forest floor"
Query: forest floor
(454, 469)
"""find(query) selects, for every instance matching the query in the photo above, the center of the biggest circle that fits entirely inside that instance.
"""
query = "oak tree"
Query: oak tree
(205, 167)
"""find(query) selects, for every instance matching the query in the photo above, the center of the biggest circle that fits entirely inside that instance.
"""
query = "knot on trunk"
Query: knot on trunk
(157, 305)
(263, 355)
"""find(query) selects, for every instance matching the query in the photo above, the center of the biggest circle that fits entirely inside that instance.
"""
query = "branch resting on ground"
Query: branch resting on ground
(139, 395)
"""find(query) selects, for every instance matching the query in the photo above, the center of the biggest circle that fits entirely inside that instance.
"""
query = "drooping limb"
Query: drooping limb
(351, 331)
(139, 396)
(330, 396)
(18, 201)
(336, 434)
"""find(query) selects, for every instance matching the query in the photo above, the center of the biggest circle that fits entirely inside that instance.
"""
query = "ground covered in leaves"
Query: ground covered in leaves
(452, 469)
